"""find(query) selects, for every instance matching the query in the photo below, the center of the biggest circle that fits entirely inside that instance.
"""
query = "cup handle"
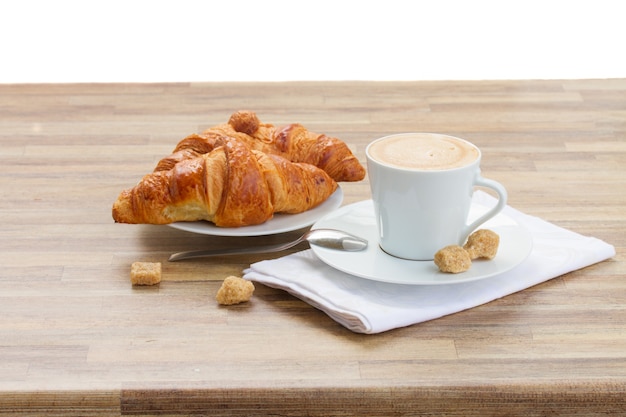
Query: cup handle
(502, 196)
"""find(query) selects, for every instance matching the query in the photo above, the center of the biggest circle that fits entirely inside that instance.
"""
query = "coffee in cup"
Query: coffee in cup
(422, 186)
(430, 152)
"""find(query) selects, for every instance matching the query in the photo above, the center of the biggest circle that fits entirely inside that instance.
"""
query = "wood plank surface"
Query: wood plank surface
(77, 339)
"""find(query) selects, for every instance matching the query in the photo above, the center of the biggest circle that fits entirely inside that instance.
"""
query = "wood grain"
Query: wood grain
(77, 339)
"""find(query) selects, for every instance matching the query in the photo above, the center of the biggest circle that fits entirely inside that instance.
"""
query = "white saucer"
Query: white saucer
(280, 223)
(374, 264)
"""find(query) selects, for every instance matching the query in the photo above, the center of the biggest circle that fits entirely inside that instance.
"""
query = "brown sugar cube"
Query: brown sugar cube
(453, 259)
(234, 290)
(145, 273)
(482, 244)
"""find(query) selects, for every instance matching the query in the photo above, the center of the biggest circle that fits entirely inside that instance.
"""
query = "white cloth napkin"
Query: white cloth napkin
(367, 306)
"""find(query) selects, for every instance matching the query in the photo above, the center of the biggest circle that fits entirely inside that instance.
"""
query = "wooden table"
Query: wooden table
(77, 339)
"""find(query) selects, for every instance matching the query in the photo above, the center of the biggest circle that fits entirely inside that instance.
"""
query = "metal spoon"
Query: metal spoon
(327, 238)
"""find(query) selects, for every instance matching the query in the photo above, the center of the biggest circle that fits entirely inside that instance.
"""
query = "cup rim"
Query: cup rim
(370, 158)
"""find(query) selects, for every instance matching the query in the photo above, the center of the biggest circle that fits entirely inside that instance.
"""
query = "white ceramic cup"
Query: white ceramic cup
(422, 186)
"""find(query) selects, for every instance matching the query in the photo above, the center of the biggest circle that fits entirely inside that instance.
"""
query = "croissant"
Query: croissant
(230, 186)
(293, 142)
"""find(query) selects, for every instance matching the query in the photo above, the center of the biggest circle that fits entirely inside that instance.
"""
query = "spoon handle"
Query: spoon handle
(233, 251)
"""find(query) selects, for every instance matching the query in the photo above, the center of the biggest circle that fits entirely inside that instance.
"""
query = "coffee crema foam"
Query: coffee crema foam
(423, 152)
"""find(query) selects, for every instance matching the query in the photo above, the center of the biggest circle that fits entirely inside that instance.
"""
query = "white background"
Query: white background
(271, 40)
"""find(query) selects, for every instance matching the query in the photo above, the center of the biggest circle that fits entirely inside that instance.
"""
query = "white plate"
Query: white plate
(374, 264)
(280, 223)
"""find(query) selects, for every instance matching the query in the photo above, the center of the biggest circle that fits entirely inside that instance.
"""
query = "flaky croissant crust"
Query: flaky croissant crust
(229, 185)
(293, 142)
